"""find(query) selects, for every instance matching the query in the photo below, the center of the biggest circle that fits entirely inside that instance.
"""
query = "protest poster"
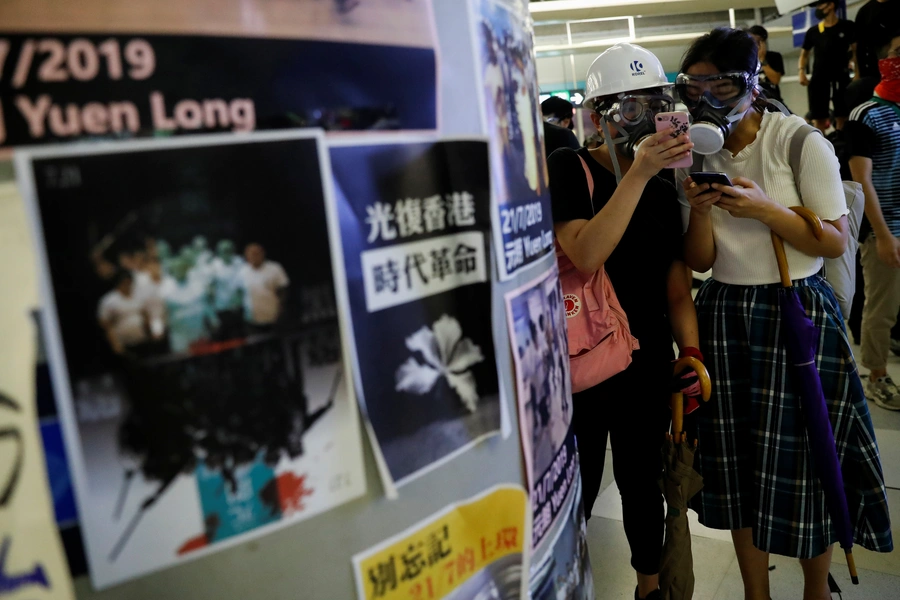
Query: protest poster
(537, 332)
(564, 569)
(472, 550)
(523, 223)
(75, 70)
(193, 341)
(32, 563)
(560, 567)
(412, 220)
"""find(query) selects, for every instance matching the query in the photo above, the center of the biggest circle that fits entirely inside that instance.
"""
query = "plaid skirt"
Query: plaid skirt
(753, 448)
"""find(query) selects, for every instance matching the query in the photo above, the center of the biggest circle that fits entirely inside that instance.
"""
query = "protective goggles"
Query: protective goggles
(719, 90)
(631, 109)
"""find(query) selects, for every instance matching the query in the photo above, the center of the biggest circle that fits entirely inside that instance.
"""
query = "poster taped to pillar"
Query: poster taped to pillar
(412, 220)
(540, 348)
(473, 550)
(75, 70)
(523, 223)
(563, 569)
(32, 562)
(194, 343)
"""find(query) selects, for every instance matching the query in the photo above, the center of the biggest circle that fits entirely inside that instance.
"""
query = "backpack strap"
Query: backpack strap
(590, 181)
(796, 151)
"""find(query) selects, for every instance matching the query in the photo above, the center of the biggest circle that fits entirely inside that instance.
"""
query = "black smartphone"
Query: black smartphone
(711, 177)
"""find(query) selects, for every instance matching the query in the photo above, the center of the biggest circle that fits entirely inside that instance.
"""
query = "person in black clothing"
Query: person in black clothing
(556, 137)
(558, 111)
(833, 41)
(771, 63)
(873, 23)
(632, 229)
(559, 119)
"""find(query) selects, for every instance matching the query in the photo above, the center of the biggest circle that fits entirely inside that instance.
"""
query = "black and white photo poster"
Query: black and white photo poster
(537, 332)
(523, 224)
(413, 222)
(194, 341)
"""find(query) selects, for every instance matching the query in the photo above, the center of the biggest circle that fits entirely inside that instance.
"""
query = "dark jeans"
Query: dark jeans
(631, 409)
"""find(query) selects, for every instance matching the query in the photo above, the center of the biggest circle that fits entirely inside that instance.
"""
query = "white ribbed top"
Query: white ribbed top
(744, 253)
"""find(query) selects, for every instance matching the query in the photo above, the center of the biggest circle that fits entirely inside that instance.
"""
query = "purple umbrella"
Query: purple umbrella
(800, 337)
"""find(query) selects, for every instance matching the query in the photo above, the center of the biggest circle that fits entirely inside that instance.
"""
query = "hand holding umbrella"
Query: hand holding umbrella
(687, 363)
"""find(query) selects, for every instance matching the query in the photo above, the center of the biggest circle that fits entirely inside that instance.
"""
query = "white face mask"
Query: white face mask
(711, 128)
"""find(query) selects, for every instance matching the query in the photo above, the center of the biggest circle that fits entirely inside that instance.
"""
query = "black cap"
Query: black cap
(759, 30)
(557, 107)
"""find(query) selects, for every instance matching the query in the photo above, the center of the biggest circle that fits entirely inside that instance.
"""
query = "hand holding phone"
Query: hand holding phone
(680, 123)
(711, 177)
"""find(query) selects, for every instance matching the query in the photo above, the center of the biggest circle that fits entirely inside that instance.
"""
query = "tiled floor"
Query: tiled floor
(715, 565)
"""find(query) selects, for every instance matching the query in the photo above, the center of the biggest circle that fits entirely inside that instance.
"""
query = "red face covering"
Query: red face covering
(889, 88)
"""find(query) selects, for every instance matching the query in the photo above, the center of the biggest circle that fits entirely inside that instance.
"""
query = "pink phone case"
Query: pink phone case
(680, 122)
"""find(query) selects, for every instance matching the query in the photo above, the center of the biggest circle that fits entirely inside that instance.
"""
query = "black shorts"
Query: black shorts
(822, 90)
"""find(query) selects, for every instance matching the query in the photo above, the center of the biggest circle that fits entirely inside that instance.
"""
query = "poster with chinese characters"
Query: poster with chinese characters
(523, 223)
(413, 223)
(193, 340)
(537, 330)
(32, 562)
(472, 550)
(75, 70)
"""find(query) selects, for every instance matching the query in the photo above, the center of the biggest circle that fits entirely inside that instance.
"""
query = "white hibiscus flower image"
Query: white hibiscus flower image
(446, 354)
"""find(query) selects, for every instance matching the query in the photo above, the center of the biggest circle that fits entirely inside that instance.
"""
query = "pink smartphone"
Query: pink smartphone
(680, 122)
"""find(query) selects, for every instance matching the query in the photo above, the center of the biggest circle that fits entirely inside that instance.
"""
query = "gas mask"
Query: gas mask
(716, 103)
(631, 115)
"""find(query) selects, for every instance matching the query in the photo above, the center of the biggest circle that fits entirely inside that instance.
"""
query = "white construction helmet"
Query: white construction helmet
(622, 68)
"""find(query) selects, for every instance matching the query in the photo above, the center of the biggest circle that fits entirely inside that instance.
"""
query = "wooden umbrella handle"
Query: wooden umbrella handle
(812, 218)
(697, 367)
(678, 398)
(783, 269)
(817, 228)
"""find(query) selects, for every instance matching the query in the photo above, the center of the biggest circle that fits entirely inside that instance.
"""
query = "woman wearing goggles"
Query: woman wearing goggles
(753, 450)
(719, 90)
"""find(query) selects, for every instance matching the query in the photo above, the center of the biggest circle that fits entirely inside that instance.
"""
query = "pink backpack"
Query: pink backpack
(600, 341)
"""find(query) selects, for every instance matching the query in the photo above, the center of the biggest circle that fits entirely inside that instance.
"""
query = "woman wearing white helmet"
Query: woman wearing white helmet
(630, 226)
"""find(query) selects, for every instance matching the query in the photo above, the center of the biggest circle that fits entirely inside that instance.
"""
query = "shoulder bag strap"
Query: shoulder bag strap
(590, 181)
(796, 151)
